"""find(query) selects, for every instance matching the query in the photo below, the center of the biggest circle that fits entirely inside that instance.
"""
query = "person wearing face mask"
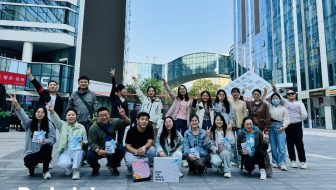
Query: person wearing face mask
(258, 111)
(294, 133)
(151, 105)
(280, 121)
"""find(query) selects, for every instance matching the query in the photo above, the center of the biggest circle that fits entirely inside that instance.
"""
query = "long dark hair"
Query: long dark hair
(209, 104)
(225, 101)
(44, 123)
(180, 96)
(213, 128)
(164, 133)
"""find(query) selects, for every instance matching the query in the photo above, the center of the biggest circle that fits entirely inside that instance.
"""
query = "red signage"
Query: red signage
(12, 78)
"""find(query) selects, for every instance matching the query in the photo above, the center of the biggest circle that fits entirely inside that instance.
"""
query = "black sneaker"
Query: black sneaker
(115, 172)
(95, 171)
(31, 171)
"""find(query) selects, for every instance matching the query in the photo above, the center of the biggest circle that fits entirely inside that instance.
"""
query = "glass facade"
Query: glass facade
(199, 63)
(44, 72)
(329, 13)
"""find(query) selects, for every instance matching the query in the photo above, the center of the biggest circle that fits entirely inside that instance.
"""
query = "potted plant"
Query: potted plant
(4, 121)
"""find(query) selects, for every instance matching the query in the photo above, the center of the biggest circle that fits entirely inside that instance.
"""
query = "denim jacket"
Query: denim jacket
(191, 141)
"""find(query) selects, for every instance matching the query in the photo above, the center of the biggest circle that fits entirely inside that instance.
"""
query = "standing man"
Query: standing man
(47, 96)
(84, 102)
(102, 133)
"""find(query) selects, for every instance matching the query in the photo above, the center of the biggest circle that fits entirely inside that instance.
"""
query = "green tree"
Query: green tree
(151, 82)
(202, 85)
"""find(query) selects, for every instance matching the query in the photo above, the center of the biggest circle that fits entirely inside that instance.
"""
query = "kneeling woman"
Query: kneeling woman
(72, 138)
(252, 145)
(37, 150)
(195, 146)
(221, 146)
(170, 141)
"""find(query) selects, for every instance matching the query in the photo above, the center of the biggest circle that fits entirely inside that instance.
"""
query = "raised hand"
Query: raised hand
(112, 72)
(14, 101)
(229, 127)
(28, 71)
(121, 112)
(49, 107)
(164, 80)
(208, 132)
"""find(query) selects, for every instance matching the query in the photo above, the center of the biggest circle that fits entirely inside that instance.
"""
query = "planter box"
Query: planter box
(4, 124)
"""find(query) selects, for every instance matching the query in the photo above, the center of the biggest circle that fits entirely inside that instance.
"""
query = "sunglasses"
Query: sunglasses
(290, 93)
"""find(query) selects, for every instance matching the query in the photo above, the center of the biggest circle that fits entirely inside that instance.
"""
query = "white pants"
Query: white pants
(223, 158)
(71, 159)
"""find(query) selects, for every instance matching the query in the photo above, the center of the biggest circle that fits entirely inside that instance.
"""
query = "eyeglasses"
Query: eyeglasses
(290, 93)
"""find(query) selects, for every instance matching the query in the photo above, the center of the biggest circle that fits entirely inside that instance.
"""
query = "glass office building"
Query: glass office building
(143, 71)
(198, 65)
(291, 42)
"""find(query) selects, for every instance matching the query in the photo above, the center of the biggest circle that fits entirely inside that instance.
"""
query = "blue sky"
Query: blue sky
(168, 29)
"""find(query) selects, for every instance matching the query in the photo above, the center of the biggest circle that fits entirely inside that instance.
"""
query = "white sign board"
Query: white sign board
(166, 169)
(249, 81)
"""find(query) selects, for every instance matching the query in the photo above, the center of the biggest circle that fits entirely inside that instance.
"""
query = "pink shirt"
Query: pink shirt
(183, 110)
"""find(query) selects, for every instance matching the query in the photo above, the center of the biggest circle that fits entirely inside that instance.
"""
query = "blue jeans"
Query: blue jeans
(278, 144)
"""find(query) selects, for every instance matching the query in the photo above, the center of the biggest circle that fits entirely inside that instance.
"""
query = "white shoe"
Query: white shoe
(303, 165)
(76, 174)
(274, 165)
(180, 174)
(227, 175)
(50, 166)
(283, 167)
(220, 170)
(184, 163)
(262, 174)
(46, 175)
(293, 164)
(234, 164)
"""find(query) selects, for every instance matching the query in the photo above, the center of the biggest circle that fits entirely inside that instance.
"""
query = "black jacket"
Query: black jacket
(45, 97)
(116, 102)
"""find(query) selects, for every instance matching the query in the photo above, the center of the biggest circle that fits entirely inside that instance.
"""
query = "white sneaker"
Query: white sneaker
(76, 174)
(262, 174)
(274, 165)
(234, 164)
(180, 174)
(220, 170)
(303, 165)
(293, 164)
(46, 175)
(227, 175)
(50, 166)
(283, 167)
(184, 163)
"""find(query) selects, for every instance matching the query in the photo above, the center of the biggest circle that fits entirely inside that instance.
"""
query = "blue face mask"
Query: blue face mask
(276, 102)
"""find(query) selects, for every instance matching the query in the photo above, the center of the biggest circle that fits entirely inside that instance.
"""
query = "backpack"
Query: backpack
(141, 171)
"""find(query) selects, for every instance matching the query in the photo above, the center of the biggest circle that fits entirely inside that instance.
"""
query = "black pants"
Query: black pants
(198, 166)
(42, 156)
(294, 136)
(113, 160)
(121, 133)
(249, 161)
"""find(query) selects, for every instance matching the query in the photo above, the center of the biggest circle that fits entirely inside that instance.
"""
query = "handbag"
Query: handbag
(141, 170)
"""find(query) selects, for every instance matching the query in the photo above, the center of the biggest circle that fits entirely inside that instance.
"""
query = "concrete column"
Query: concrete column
(328, 117)
(27, 52)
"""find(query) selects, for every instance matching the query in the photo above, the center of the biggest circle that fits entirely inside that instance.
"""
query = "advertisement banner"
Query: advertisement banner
(13, 72)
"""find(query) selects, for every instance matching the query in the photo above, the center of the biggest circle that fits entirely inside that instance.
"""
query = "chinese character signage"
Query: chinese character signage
(13, 73)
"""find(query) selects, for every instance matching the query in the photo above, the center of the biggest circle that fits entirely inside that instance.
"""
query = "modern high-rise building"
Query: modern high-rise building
(143, 71)
(64, 39)
(293, 43)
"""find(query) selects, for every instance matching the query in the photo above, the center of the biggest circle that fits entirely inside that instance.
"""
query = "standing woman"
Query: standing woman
(118, 98)
(223, 106)
(294, 134)
(204, 110)
(180, 109)
(72, 139)
(36, 152)
(195, 146)
(170, 141)
(280, 121)
(151, 105)
(221, 152)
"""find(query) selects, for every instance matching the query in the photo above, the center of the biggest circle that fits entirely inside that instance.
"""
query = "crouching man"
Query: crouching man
(102, 142)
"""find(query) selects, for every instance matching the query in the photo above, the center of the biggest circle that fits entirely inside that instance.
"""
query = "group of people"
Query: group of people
(201, 133)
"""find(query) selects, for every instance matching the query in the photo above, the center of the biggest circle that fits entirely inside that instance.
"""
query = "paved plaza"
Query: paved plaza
(320, 151)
